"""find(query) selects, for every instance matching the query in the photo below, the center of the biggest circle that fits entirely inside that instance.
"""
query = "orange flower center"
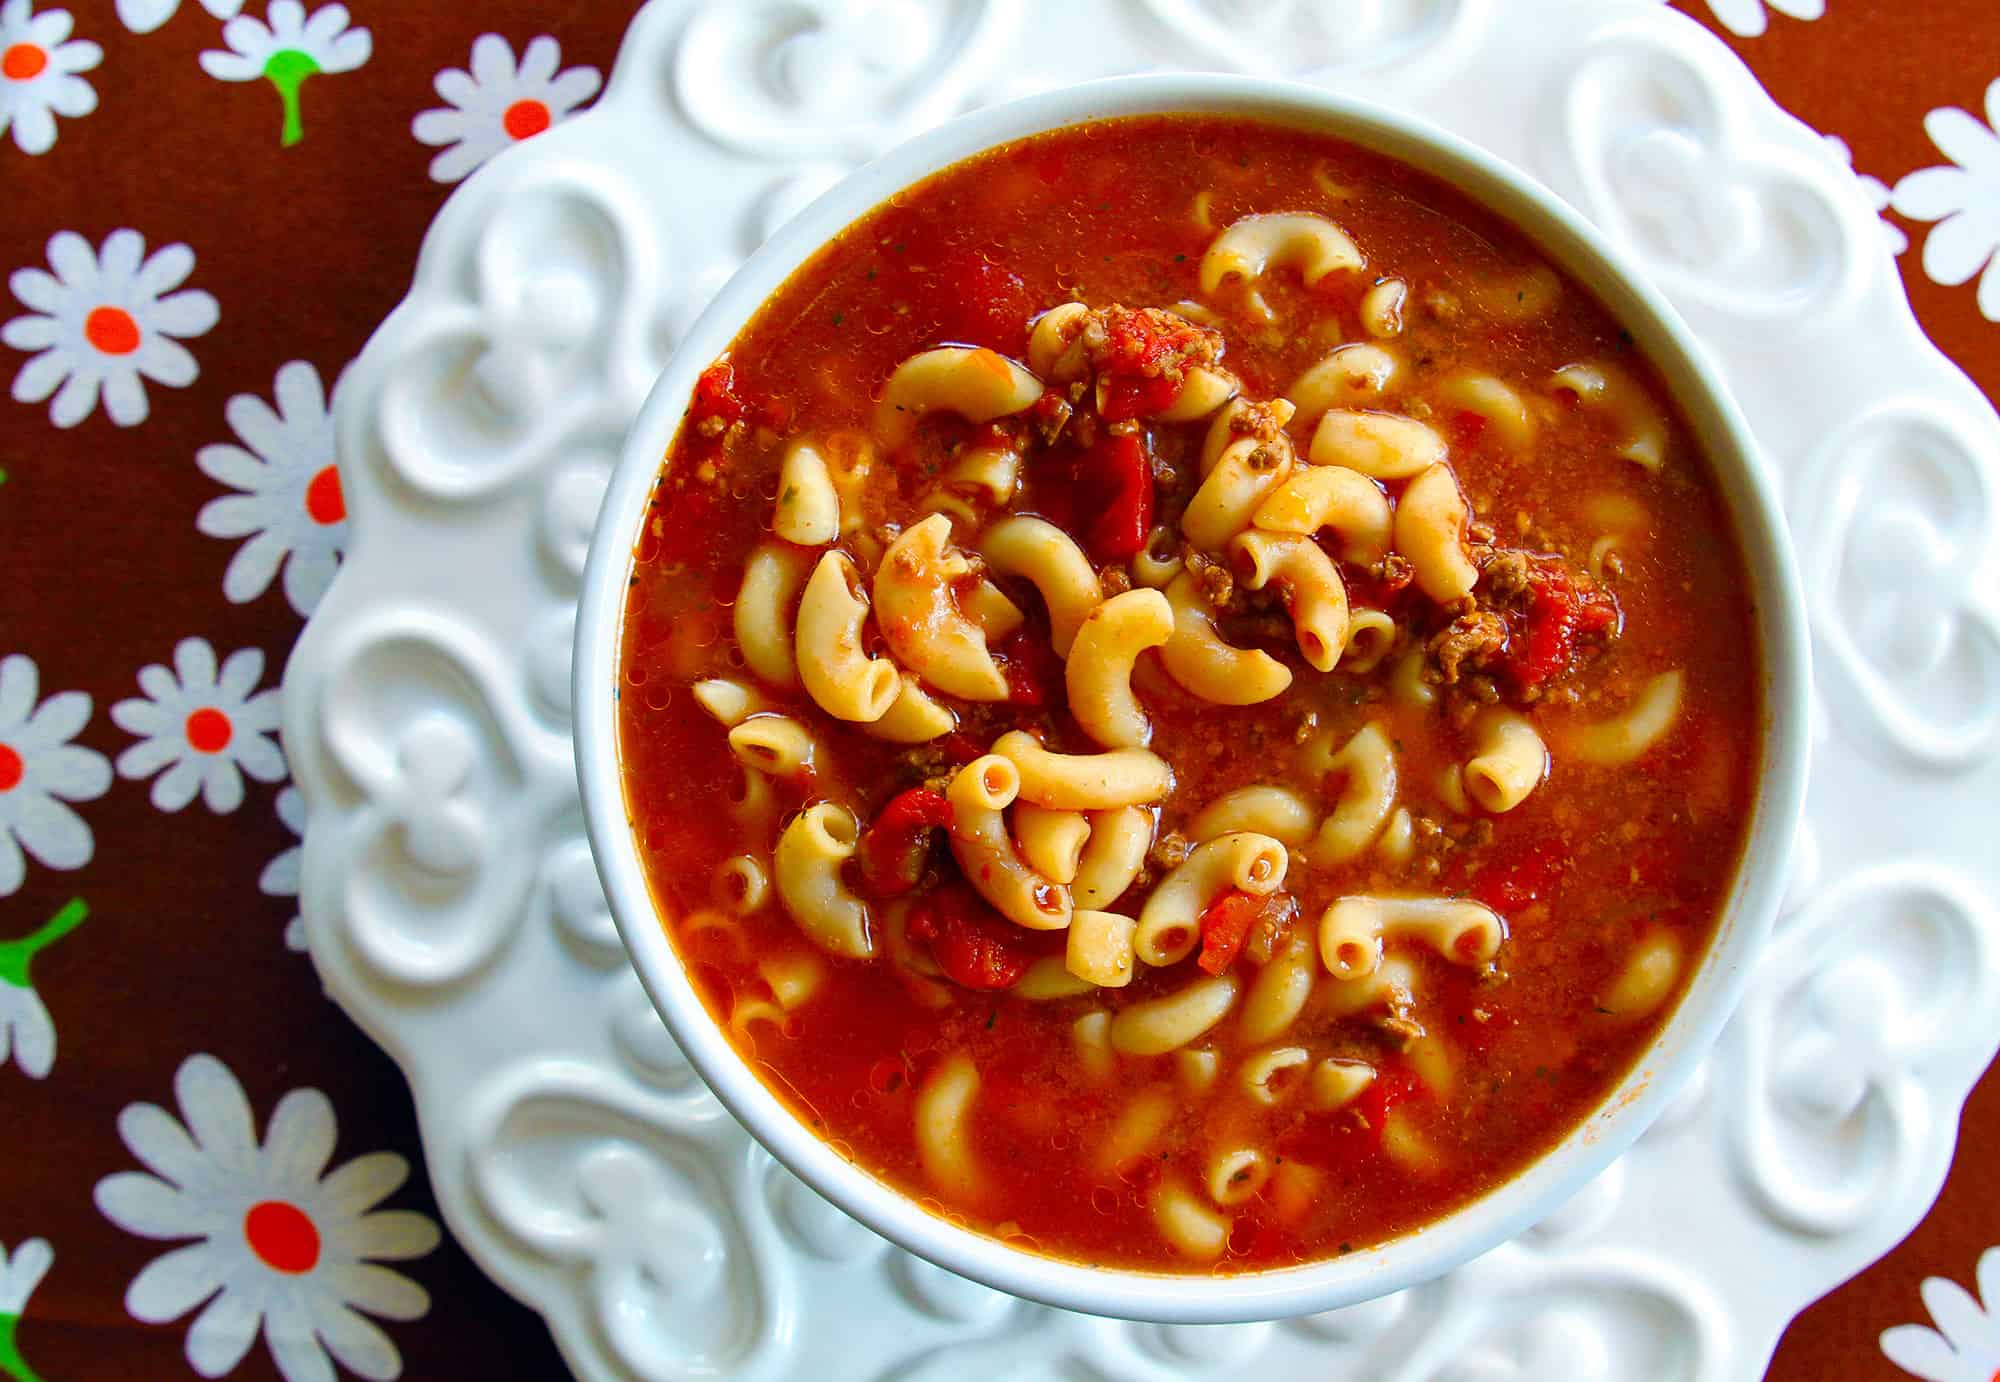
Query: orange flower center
(209, 730)
(23, 62)
(324, 503)
(525, 119)
(10, 768)
(283, 1238)
(111, 330)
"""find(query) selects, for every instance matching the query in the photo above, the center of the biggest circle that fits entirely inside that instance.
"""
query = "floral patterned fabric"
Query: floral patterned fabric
(209, 207)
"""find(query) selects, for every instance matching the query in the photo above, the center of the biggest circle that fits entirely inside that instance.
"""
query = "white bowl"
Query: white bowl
(1752, 902)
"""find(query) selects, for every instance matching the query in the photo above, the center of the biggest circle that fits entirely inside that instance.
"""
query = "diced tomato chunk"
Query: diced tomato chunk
(1466, 427)
(1356, 1132)
(975, 946)
(1563, 606)
(1234, 918)
(1523, 876)
(891, 852)
(985, 302)
(1224, 927)
(1473, 1016)
(1147, 342)
(1033, 671)
(1118, 475)
(715, 395)
(1129, 396)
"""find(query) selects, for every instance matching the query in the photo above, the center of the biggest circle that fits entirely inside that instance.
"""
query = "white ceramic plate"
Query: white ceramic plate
(454, 911)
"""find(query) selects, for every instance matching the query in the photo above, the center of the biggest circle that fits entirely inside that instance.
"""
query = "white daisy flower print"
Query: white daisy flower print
(1877, 192)
(103, 320)
(282, 877)
(26, 1031)
(1963, 200)
(144, 16)
(287, 50)
(288, 501)
(1746, 17)
(498, 104)
(39, 74)
(279, 1244)
(21, 1271)
(1965, 1346)
(204, 726)
(40, 772)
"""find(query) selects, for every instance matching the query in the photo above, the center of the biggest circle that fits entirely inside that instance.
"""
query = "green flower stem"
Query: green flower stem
(17, 955)
(11, 1361)
(287, 70)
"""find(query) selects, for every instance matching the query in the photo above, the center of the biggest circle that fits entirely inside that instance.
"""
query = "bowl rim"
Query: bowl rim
(1750, 497)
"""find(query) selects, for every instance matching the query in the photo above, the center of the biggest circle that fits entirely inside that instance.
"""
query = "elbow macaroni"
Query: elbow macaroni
(986, 853)
(1351, 375)
(1098, 676)
(1382, 446)
(1113, 855)
(1254, 245)
(1044, 554)
(1608, 389)
(1275, 811)
(1245, 472)
(1367, 764)
(1334, 497)
(1169, 923)
(810, 853)
(1352, 930)
(1307, 581)
(1099, 948)
(845, 682)
(1051, 841)
(763, 616)
(1167, 1023)
(1623, 738)
(808, 508)
(923, 625)
(1511, 761)
(1204, 665)
(977, 384)
(1083, 781)
(1430, 531)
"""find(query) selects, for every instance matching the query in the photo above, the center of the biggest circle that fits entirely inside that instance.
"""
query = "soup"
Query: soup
(1186, 699)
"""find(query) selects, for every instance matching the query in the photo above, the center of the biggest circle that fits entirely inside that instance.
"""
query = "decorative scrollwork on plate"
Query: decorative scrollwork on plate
(683, 1270)
(1853, 1000)
(1590, 1317)
(839, 79)
(452, 780)
(1660, 159)
(546, 338)
(1898, 521)
(1290, 37)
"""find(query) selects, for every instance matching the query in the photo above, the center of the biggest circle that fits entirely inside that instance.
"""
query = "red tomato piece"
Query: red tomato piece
(1225, 924)
(1118, 472)
(1467, 427)
(1136, 395)
(1525, 875)
(1033, 671)
(715, 395)
(975, 946)
(891, 852)
(985, 303)
(1357, 1129)
(1146, 342)
(1563, 605)
(1237, 918)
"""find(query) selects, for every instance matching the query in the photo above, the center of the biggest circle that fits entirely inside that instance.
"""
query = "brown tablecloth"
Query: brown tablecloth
(203, 225)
